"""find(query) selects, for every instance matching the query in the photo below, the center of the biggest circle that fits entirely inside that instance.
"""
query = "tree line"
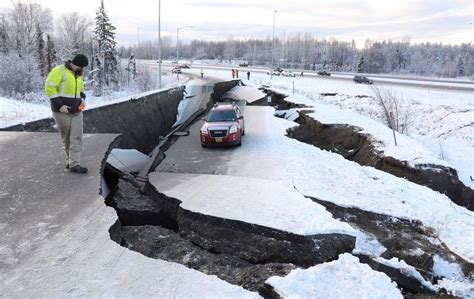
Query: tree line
(31, 44)
(308, 53)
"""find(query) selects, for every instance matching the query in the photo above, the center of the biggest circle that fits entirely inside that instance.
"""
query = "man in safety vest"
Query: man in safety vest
(65, 89)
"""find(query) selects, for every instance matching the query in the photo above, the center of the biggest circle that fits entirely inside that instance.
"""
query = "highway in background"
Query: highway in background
(379, 79)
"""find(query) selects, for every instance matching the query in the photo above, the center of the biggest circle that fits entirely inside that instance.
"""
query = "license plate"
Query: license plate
(218, 139)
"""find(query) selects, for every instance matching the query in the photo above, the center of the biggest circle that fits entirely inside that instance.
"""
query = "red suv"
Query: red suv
(223, 125)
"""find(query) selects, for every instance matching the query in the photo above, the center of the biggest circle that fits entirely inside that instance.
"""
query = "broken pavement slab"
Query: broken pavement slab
(256, 219)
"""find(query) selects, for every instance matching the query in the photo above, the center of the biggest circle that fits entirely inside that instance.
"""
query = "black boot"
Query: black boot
(78, 169)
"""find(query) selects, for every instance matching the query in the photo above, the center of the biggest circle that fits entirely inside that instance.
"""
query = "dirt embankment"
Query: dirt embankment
(353, 145)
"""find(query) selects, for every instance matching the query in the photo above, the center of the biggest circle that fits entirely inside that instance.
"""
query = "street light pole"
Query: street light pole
(273, 45)
(177, 40)
(159, 43)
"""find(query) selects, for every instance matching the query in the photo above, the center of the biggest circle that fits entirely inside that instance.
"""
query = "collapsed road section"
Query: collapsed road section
(232, 243)
(355, 144)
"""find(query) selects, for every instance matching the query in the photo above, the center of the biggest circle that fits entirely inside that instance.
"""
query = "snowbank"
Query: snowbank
(453, 278)
(14, 112)
(337, 279)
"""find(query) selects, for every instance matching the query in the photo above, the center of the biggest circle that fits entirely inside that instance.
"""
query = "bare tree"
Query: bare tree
(74, 33)
(396, 113)
(20, 24)
(40, 51)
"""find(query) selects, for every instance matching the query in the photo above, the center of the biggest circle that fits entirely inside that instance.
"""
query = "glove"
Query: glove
(64, 109)
(82, 106)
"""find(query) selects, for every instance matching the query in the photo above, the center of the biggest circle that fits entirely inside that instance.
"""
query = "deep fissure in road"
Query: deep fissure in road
(245, 254)
(406, 240)
(240, 253)
(353, 145)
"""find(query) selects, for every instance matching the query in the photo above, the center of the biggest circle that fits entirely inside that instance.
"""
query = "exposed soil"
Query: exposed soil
(353, 145)
(247, 255)
(237, 252)
(407, 240)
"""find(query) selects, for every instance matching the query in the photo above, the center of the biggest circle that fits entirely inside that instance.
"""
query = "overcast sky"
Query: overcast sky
(447, 21)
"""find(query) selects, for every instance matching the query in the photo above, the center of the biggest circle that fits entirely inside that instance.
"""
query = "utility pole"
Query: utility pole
(138, 40)
(273, 45)
(159, 43)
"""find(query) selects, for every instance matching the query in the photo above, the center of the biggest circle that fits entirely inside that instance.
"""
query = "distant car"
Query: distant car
(185, 66)
(176, 70)
(324, 73)
(362, 79)
(288, 74)
(275, 72)
(224, 125)
(244, 64)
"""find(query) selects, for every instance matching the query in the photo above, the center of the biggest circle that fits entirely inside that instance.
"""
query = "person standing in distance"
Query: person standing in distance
(64, 87)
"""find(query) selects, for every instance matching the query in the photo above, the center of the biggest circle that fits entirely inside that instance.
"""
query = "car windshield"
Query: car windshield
(222, 115)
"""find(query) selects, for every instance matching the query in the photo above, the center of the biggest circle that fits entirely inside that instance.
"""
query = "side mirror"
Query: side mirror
(241, 117)
(203, 119)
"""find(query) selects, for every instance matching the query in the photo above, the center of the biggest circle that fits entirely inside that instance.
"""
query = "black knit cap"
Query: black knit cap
(80, 60)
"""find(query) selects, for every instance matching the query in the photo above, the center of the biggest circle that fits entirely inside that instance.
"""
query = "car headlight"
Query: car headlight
(233, 129)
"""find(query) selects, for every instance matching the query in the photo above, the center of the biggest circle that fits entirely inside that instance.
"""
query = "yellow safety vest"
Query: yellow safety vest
(61, 82)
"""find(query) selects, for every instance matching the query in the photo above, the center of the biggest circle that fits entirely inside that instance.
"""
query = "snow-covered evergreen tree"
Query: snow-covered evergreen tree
(3, 36)
(50, 54)
(40, 50)
(132, 64)
(461, 68)
(106, 73)
(360, 65)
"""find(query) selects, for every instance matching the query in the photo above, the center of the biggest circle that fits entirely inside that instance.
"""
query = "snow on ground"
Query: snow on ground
(407, 149)
(82, 261)
(330, 177)
(441, 120)
(406, 269)
(453, 278)
(15, 112)
(345, 277)
(252, 200)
